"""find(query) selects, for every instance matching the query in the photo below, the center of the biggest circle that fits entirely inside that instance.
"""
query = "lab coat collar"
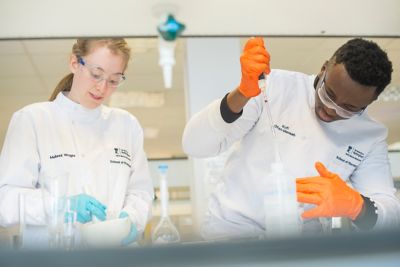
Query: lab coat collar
(76, 111)
(311, 96)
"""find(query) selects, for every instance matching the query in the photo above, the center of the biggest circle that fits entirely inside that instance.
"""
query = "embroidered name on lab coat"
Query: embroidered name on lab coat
(62, 155)
(285, 129)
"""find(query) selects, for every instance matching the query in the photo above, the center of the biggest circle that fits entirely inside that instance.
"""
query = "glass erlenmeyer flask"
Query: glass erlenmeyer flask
(165, 232)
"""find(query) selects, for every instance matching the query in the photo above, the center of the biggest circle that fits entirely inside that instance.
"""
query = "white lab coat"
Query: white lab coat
(101, 149)
(355, 149)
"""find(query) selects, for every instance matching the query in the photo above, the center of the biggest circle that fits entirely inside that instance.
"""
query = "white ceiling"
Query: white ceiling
(50, 18)
(30, 69)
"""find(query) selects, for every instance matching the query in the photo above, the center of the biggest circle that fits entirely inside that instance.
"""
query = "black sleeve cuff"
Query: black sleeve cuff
(227, 114)
(368, 216)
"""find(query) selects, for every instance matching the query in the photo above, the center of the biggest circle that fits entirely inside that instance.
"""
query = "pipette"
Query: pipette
(263, 85)
(280, 201)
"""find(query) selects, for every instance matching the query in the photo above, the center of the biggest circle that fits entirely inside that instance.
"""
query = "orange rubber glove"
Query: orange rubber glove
(254, 61)
(333, 197)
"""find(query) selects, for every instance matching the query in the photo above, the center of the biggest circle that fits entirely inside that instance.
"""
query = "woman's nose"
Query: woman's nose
(101, 85)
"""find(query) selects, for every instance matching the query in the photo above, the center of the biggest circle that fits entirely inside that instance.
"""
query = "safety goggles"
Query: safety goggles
(329, 103)
(98, 75)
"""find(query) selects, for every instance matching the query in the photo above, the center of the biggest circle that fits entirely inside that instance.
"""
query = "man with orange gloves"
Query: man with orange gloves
(318, 119)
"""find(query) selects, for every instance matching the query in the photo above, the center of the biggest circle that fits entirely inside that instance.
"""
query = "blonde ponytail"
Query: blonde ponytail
(64, 85)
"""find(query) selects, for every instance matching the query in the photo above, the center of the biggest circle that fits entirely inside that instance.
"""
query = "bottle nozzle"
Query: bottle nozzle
(163, 168)
(167, 60)
(167, 74)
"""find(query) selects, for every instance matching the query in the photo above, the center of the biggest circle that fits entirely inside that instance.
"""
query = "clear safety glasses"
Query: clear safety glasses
(98, 75)
(328, 102)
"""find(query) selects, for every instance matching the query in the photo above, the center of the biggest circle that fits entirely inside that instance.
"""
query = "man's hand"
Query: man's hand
(333, 197)
(254, 61)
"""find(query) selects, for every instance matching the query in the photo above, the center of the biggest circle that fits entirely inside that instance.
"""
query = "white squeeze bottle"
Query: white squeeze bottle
(282, 218)
(165, 231)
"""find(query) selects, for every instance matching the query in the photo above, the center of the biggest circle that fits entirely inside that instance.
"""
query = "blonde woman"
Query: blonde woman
(100, 147)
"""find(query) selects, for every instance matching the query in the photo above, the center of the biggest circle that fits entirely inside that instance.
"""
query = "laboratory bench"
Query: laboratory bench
(350, 249)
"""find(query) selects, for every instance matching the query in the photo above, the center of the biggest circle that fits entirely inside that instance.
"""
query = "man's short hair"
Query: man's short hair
(365, 62)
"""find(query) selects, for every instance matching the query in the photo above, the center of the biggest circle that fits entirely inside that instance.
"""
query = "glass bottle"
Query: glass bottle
(165, 232)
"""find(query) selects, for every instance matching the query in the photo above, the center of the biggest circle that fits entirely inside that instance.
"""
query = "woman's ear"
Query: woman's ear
(73, 63)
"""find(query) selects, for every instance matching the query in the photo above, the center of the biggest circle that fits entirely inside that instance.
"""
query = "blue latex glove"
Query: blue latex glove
(133, 234)
(85, 206)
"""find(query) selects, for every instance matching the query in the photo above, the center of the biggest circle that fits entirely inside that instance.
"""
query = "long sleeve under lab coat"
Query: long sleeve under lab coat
(101, 149)
(354, 148)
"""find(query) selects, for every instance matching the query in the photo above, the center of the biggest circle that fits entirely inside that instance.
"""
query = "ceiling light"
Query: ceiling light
(150, 133)
(137, 99)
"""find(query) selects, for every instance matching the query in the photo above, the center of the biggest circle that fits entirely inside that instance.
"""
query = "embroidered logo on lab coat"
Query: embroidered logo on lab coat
(122, 156)
(351, 157)
(122, 153)
(354, 153)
